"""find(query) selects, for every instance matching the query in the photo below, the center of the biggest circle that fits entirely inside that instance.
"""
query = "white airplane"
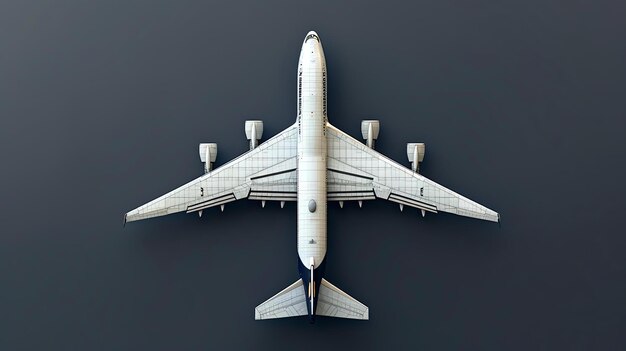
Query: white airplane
(312, 162)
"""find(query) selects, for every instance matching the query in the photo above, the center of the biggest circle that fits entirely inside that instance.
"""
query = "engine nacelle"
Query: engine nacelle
(254, 132)
(415, 153)
(208, 154)
(370, 129)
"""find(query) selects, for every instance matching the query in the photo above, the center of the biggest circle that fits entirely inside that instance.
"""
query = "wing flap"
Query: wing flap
(346, 183)
(216, 201)
(405, 200)
(278, 183)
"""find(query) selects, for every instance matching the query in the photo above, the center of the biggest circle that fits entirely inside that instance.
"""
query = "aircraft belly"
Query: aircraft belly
(312, 209)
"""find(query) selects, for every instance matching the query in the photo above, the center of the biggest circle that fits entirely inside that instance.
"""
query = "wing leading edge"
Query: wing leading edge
(357, 172)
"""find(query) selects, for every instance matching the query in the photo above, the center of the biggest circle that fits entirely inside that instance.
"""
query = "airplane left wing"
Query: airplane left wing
(290, 302)
(268, 172)
(357, 172)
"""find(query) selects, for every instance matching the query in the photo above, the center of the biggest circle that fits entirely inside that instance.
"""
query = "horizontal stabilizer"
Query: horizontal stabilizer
(290, 302)
(333, 302)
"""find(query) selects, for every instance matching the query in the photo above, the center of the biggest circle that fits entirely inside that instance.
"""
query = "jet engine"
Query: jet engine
(415, 153)
(370, 129)
(208, 154)
(254, 132)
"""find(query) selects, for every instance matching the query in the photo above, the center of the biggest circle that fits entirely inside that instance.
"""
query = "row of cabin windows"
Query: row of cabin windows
(300, 93)
(324, 91)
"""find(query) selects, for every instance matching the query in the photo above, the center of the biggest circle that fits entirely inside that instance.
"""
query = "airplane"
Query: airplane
(312, 163)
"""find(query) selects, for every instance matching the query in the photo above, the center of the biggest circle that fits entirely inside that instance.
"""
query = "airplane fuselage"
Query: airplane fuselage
(312, 152)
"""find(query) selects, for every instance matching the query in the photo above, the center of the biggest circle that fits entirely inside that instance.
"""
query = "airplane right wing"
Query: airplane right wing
(358, 172)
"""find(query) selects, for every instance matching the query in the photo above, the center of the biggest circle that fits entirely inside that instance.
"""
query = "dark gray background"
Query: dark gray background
(520, 103)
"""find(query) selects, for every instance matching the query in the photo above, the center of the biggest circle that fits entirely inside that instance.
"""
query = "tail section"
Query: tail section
(333, 302)
(292, 302)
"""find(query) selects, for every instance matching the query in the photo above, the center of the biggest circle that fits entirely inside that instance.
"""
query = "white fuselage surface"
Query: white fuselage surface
(312, 152)
(311, 169)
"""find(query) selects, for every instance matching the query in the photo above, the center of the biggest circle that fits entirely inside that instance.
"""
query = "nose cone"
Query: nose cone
(312, 52)
(311, 35)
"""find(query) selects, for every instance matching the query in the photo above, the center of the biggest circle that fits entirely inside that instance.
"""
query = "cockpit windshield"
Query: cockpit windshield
(311, 36)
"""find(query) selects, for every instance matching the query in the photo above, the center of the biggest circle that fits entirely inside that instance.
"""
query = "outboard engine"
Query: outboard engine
(208, 154)
(254, 132)
(370, 129)
(415, 153)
